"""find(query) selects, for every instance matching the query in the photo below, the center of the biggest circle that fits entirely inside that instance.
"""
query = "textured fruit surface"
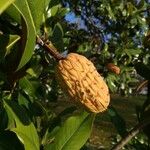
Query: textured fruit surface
(80, 80)
(113, 68)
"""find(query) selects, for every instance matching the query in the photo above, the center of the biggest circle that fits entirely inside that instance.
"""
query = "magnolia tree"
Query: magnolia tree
(36, 36)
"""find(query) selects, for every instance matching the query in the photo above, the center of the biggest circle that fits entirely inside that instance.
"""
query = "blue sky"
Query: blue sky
(70, 17)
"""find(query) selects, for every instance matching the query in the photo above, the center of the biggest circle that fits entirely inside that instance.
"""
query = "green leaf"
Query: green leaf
(26, 85)
(53, 3)
(118, 121)
(63, 11)
(28, 136)
(49, 136)
(18, 111)
(57, 36)
(12, 40)
(26, 133)
(130, 8)
(23, 101)
(55, 9)
(110, 12)
(141, 4)
(37, 9)
(31, 72)
(4, 4)
(73, 133)
(133, 51)
(58, 31)
(111, 80)
(29, 31)
(13, 13)
(6, 43)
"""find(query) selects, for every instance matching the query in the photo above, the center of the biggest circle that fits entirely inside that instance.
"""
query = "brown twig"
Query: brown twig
(141, 86)
(50, 48)
(131, 134)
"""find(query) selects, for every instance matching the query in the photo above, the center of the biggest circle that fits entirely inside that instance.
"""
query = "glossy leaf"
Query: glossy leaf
(37, 9)
(29, 33)
(73, 133)
(13, 13)
(26, 132)
(4, 4)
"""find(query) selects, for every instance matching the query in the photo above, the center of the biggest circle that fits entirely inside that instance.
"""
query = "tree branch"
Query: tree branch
(131, 134)
(50, 48)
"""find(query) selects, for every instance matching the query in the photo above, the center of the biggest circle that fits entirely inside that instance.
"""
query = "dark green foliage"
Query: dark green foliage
(112, 31)
(143, 70)
(118, 121)
(9, 141)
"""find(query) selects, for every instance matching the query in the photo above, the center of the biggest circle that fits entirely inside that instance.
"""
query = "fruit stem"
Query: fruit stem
(49, 47)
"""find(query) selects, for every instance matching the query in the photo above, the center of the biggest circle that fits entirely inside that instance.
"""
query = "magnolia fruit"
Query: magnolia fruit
(113, 68)
(83, 84)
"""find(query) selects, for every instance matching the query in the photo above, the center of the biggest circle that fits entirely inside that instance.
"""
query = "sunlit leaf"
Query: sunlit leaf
(31, 72)
(13, 13)
(29, 33)
(4, 4)
(73, 133)
(26, 132)
(37, 9)
(54, 10)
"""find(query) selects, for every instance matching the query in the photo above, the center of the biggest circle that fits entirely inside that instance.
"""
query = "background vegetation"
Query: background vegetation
(34, 113)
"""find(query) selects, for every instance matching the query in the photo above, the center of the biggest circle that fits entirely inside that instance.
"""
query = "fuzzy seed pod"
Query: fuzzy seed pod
(113, 68)
(80, 80)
